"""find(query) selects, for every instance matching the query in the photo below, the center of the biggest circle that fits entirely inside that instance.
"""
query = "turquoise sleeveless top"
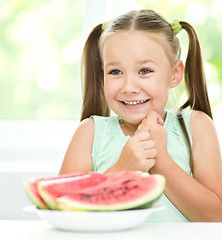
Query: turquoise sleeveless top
(109, 141)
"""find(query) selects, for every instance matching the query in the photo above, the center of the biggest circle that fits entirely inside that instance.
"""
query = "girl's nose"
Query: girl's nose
(130, 85)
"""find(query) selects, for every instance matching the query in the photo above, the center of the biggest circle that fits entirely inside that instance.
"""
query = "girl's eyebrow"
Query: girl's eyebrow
(140, 62)
(111, 64)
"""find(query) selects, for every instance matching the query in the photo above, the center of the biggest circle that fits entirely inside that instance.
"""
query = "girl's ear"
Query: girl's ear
(177, 74)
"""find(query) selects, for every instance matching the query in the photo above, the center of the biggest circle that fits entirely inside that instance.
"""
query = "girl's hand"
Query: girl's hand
(139, 153)
(153, 118)
(154, 123)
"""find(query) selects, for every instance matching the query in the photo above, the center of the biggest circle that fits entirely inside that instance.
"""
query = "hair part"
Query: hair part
(144, 20)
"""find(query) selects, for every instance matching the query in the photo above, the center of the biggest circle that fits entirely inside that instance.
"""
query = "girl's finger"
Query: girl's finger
(151, 153)
(147, 144)
(142, 135)
(149, 164)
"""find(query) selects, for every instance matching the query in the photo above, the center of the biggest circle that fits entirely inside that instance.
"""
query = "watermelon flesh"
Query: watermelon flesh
(32, 191)
(52, 189)
(103, 192)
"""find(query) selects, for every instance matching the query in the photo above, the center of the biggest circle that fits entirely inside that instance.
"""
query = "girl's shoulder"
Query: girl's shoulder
(103, 119)
(100, 126)
(86, 125)
(106, 124)
(172, 118)
(195, 120)
(85, 131)
(200, 116)
(200, 122)
(95, 121)
(75, 159)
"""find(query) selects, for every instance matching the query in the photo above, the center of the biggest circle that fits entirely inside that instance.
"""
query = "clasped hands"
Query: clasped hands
(146, 146)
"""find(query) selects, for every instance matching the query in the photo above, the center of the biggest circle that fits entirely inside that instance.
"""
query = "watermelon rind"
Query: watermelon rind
(47, 198)
(146, 201)
(34, 199)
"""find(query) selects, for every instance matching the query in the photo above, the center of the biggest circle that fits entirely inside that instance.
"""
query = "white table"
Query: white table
(41, 230)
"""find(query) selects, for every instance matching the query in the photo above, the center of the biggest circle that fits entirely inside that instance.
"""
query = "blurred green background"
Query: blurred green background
(40, 51)
(41, 43)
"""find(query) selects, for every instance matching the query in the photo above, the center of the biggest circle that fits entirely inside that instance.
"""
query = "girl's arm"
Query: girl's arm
(78, 156)
(198, 198)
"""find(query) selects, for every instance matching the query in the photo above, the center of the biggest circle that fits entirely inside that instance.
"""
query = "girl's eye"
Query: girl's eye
(115, 72)
(145, 71)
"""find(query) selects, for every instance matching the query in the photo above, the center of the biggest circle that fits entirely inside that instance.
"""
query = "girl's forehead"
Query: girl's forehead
(137, 38)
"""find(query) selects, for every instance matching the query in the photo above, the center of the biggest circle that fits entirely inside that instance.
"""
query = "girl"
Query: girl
(129, 67)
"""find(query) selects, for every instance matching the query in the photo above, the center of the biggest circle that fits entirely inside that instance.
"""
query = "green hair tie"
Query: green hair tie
(106, 24)
(175, 25)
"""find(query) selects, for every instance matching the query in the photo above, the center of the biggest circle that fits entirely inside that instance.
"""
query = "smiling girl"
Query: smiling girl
(129, 68)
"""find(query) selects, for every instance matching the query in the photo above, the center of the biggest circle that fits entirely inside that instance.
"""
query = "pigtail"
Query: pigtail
(195, 83)
(92, 77)
(195, 80)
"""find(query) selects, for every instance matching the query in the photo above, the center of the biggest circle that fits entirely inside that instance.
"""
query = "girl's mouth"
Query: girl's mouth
(134, 102)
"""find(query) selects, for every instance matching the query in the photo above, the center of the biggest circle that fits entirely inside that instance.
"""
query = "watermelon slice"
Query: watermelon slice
(33, 194)
(103, 192)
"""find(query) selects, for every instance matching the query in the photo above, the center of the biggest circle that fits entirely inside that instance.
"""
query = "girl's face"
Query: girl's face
(138, 74)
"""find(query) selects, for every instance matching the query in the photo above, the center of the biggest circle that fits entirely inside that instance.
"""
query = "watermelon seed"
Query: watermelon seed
(86, 196)
(127, 181)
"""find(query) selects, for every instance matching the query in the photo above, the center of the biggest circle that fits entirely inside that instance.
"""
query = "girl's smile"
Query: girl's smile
(134, 103)
(139, 80)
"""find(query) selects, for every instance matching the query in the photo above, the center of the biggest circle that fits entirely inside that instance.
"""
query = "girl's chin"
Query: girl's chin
(135, 122)
(133, 118)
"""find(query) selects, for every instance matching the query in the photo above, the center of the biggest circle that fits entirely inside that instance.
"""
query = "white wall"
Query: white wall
(99, 11)
(29, 149)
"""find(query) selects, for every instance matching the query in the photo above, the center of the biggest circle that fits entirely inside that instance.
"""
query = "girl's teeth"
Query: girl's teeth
(133, 102)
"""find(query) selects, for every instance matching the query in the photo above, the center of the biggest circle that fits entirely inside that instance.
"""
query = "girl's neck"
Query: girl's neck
(127, 128)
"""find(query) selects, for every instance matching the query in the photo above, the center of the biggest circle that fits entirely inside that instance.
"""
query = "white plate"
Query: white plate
(94, 221)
